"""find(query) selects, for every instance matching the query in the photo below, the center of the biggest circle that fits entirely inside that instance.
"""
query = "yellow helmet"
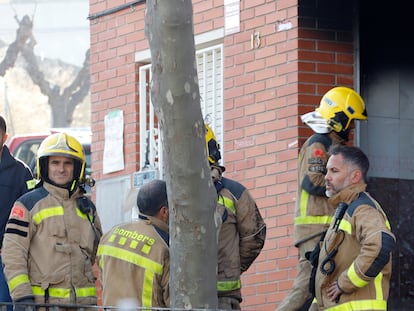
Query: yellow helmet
(213, 148)
(340, 105)
(61, 144)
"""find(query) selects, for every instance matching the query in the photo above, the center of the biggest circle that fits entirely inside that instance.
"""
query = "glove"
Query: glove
(24, 304)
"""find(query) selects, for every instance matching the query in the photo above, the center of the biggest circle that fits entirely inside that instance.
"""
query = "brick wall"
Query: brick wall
(267, 88)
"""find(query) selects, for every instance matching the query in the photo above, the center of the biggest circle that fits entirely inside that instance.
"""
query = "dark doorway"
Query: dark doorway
(387, 85)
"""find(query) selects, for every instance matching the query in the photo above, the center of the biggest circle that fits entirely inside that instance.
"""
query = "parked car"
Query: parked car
(24, 146)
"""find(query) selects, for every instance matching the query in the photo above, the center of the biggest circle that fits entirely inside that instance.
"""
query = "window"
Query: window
(210, 76)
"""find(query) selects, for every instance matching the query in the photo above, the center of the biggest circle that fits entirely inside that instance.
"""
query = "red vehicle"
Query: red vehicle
(24, 146)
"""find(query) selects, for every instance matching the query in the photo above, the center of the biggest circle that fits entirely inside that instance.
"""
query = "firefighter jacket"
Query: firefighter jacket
(49, 247)
(313, 214)
(241, 237)
(357, 256)
(15, 180)
(134, 264)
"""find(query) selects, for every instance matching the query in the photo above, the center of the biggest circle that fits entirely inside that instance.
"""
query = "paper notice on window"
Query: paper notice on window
(231, 16)
(113, 157)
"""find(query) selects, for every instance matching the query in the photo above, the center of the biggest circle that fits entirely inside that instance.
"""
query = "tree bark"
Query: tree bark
(192, 196)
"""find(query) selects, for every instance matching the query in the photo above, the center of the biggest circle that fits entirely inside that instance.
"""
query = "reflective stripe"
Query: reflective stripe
(18, 280)
(151, 268)
(30, 184)
(387, 223)
(360, 305)
(309, 220)
(228, 285)
(304, 196)
(85, 291)
(80, 214)
(53, 292)
(147, 289)
(345, 226)
(354, 278)
(64, 292)
(46, 213)
(378, 286)
(313, 220)
(138, 260)
(227, 203)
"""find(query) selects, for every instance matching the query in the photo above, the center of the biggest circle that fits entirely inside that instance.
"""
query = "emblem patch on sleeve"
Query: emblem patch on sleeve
(17, 212)
(319, 153)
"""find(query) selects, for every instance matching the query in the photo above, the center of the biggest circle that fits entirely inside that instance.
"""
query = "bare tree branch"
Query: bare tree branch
(23, 33)
(61, 102)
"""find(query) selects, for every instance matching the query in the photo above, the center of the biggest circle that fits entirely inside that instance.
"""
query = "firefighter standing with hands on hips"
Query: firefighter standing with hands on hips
(332, 122)
(242, 233)
(354, 266)
(53, 232)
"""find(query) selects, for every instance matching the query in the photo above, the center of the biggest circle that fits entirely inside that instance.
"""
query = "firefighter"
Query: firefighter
(242, 234)
(53, 232)
(331, 122)
(134, 257)
(355, 259)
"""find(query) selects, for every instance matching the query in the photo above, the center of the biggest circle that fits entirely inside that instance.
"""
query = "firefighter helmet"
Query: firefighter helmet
(339, 106)
(213, 148)
(61, 144)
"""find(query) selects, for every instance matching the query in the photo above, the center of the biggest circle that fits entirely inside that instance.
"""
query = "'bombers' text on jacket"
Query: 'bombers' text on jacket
(134, 264)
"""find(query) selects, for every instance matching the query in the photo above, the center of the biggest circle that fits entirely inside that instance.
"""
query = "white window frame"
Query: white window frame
(210, 63)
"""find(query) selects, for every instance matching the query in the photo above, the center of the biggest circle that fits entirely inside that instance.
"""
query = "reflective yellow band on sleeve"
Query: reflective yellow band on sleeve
(223, 286)
(360, 305)
(18, 280)
(354, 278)
(64, 292)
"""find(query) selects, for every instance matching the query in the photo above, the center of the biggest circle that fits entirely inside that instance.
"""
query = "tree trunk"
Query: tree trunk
(192, 196)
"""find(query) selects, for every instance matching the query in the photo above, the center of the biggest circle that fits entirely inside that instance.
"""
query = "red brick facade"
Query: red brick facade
(266, 89)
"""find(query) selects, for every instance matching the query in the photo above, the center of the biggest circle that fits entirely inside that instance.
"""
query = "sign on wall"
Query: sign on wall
(113, 156)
